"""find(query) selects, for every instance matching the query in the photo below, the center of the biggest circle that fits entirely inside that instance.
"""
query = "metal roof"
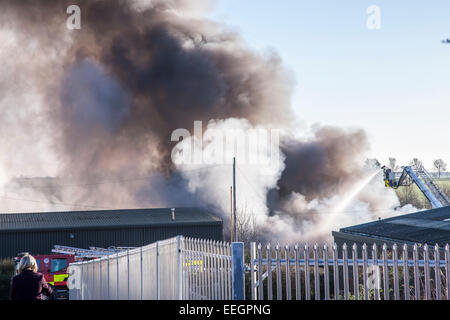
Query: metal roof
(431, 226)
(104, 219)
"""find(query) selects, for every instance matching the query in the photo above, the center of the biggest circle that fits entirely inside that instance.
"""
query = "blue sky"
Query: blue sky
(393, 82)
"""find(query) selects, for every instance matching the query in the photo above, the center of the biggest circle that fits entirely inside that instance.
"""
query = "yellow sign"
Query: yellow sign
(195, 264)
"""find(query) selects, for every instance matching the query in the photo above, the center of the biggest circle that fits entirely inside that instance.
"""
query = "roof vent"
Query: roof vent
(173, 214)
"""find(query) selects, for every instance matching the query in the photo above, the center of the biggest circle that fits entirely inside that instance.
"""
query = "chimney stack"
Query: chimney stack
(173, 214)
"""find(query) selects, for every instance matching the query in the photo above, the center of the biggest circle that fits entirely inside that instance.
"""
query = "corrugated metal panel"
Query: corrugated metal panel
(104, 218)
(36, 241)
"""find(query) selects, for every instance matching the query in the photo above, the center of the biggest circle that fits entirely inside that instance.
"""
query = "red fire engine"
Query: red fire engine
(54, 268)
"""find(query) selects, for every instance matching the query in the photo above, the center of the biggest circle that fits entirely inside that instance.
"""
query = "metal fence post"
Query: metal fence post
(158, 294)
(128, 274)
(142, 274)
(252, 270)
(117, 275)
(108, 294)
(237, 256)
(180, 268)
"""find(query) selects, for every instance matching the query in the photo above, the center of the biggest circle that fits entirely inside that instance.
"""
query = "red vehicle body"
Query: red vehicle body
(54, 268)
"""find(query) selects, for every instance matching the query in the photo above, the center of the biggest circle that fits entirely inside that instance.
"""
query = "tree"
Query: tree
(416, 163)
(393, 164)
(440, 166)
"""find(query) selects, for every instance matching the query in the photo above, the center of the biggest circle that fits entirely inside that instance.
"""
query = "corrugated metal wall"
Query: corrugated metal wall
(41, 241)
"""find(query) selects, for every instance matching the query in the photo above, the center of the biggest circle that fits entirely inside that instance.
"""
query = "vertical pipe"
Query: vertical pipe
(426, 258)
(278, 272)
(395, 272)
(326, 272)
(416, 272)
(307, 273)
(437, 272)
(298, 291)
(269, 273)
(316, 272)
(288, 273)
(406, 272)
(385, 273)
(355, 271)
(335, 272)
(345, 271)
(365, 271)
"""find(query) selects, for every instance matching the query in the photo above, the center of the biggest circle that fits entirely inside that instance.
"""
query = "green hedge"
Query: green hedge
(6, 272)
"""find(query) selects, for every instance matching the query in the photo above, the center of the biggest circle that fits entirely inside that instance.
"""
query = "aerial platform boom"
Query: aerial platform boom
(422, 179)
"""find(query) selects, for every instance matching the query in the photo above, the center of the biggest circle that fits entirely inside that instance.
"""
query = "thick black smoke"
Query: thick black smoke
(115, 90)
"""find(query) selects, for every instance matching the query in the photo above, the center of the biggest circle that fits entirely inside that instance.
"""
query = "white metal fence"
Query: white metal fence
(305, 273)
(177, 268)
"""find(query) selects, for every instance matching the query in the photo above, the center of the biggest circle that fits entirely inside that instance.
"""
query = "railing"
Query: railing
(177, 268)
(305, 273)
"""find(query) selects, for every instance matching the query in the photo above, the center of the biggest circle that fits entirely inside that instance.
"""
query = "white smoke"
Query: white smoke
(299, 218)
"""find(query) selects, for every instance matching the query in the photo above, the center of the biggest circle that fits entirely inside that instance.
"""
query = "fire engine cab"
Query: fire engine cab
(54, 268)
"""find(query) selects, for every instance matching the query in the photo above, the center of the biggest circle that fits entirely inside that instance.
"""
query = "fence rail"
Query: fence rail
(177, 268)
(306, 273)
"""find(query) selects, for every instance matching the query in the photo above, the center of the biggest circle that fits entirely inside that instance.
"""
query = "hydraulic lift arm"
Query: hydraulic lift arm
(424, 182)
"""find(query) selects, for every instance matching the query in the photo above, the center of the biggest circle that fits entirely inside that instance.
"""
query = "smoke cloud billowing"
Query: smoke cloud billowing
(95, 108)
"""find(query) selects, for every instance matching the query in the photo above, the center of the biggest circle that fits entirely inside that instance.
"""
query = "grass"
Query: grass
(413, 195)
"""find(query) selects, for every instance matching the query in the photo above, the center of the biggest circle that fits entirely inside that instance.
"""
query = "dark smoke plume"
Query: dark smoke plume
(112, 93)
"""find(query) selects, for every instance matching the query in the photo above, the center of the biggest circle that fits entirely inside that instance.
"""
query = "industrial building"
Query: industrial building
(431, 227)
(37, 233)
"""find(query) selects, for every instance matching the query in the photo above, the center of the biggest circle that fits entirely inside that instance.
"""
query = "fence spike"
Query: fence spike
(437, 272)
(416, 271)
(355, 271)
(385, 273)
(426, 258)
